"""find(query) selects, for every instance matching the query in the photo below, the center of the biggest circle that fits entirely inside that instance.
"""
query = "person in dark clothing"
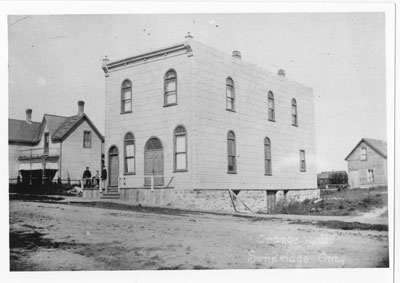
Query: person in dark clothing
(104, 178)
(87, 175)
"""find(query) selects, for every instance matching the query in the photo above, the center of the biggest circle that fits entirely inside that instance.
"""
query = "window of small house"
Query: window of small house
(267, 156)
(363, 153)
(230, 95)
(231, 152)
(271, 106)
(87, 139)
(170, 88)
(294, 112)
(180, 149)
(126, 97)
(371, 177)
(46, 143)
(302, 160)
(129, 145)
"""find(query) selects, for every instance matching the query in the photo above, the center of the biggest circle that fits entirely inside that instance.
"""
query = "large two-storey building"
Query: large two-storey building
(203, 122)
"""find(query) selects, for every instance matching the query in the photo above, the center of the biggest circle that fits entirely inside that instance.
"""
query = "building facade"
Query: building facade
(58, 148)
(206, 121)
(367, 164)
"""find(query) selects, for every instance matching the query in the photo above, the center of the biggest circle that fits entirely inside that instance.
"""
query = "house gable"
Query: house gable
(376, 145)
(70, 125)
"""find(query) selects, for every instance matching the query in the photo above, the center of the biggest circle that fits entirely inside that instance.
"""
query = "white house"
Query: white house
(204, 122)
(56, 148)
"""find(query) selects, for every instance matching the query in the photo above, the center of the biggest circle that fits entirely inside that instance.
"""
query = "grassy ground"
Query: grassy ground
(339, 203)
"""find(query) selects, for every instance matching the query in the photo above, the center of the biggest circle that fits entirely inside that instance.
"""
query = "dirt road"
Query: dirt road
(54, 236)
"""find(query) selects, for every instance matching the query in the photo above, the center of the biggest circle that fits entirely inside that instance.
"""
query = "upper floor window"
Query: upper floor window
(294, 112)
(126, 96)
(170, 88)
(302, 160)
(180, 149)
(87, 139)
(363, 153)
(230, 95)
(271, 106)
(129, 152)
(231, 152)
(267, 156)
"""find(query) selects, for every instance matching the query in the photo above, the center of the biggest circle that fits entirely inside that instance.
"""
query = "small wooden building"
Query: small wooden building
(367, 164)
(332, 178)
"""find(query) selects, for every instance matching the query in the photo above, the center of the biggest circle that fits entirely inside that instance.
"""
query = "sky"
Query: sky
(54, 61)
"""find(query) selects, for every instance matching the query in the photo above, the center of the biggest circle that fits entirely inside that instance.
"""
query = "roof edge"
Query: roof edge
(76, 125)
(370, 145)
(181, 48)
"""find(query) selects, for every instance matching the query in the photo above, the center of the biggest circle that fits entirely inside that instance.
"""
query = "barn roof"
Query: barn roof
(22, 131)
(378, 146)
(328, 174)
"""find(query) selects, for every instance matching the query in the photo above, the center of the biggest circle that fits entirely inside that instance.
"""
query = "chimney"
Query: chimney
(105, 61)
(81, 105)
(281, 72)
(188, 36)
(104, 65)
(28, 116)
(236, 54)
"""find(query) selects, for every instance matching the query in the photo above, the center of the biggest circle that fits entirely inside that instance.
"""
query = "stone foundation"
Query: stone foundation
(215, 200)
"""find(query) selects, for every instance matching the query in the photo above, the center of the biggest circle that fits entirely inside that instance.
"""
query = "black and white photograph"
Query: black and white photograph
(210, 139)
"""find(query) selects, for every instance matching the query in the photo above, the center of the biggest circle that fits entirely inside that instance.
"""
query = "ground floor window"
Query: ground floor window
(129, 153)
(231, 152)
(370, 175)
(302, 161)
(180, 148)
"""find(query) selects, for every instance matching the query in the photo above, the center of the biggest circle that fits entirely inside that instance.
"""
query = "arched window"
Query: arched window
(271, 106)
(294, 113)
(153, 144)
(126, 96)
(129, 152)
(231, 152)
(170, 88)
(267, 156)
(180, 149)
(230, 95)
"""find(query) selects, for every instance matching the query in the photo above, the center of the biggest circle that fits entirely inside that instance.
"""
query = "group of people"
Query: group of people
(94, 181)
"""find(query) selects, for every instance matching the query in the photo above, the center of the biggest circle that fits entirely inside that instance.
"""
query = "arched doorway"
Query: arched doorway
(113, 166)
(153, 162)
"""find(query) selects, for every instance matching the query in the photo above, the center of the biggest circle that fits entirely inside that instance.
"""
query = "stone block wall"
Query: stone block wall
(210, 200)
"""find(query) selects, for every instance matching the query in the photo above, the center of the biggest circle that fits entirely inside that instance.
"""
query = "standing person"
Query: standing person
(87, 175)
(96, 180)
(104, 178)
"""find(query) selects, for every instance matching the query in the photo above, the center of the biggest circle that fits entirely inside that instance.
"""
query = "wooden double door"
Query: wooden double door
(153, 164)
